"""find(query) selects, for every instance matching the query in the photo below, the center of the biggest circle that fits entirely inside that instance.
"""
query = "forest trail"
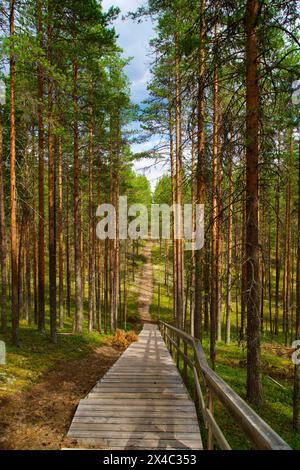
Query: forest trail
(146, 286)
(141, 403)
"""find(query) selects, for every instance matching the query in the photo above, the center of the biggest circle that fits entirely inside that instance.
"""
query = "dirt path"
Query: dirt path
(146, 286)
(40, 417)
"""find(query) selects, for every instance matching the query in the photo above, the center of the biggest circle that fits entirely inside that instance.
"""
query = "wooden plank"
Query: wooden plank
(146, 413)
(139, 388)
(141, 420)
(134, 427)
(146, 402)
(143, 371)
(146, 375)
(115, 444)
(141, 368)
(142, 388)
(145, 406)
(140, 383)
(159, 435)
(135, 395)
(135, 382)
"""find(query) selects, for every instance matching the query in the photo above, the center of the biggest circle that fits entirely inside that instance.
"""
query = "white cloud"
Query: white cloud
(149, 166)
(134, 38)
(153, 171)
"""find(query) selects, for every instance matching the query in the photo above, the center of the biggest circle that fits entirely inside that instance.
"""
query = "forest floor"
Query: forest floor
(39, 418)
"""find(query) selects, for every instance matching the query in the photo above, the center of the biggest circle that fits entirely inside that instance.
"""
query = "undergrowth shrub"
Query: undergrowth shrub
(122, 339)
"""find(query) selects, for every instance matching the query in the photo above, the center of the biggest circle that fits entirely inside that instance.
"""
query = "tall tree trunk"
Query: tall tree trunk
(82, 248)
(237, 270)
(51, 197)
(98, 257)
(200, 166)
(229, 251)
(106, 284)
(21, 233)
(270, 277)
(35, 239)
(117, 241)
(112, 242)
(60, 236)
(254, 386)
(206, 286)
(277, 253)
(262, 262)
(288, 246)
(125, 284)
(214, 303)
(67, 235)
(91, 280)
(41, 258)
(243, 275)
(174, 251)
(13, 193)
(296, 397)
(27, 251)
(77, 210)
(3, 244)
(193, 194)
(179, 218)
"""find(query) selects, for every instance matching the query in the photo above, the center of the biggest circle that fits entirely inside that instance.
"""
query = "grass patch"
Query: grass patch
(36, 355)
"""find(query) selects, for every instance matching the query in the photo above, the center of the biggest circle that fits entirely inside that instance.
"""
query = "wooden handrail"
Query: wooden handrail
(257, 431)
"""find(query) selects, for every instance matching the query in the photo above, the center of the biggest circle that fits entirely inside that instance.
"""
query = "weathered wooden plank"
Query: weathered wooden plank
(144, 405)
(93, 433)
(139, 388)
(142, 413)
(138, 420)
(115, 444)
(146, 402)
(139, 379)
(138, 376)
(135, 369)
(135, 427)
(141, 403)
(124, 395)
(139, 384)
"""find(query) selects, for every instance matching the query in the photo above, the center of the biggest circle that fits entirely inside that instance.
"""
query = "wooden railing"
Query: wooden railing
(255, 429)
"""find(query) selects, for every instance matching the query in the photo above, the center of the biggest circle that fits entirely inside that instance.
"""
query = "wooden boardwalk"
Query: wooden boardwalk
(141, 403)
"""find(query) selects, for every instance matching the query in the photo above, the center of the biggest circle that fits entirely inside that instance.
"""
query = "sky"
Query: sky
(134, 40)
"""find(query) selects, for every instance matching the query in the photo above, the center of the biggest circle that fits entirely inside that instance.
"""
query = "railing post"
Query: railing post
(158, 303)
(185, 350)
(210, 437)
(178, 354)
